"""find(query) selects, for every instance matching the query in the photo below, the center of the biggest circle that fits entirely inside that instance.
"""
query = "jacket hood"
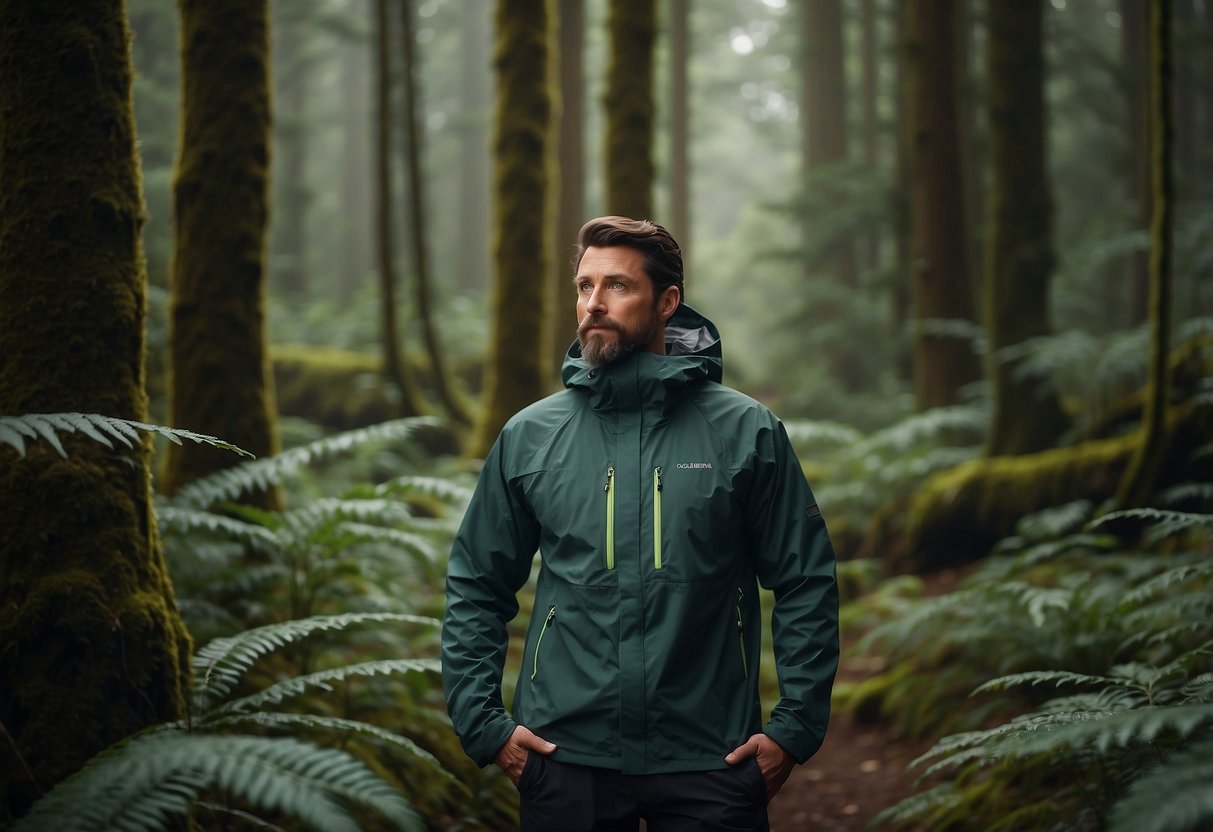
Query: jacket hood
(645, 379)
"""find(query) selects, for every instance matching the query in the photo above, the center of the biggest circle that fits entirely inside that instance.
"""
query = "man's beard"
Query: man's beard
(597, 349)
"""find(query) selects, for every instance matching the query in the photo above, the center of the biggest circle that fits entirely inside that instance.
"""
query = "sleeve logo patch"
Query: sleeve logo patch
(813, 510)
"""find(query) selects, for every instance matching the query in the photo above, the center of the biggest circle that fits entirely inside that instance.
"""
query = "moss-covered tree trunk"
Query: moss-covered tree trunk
(568, 66)
(413, 147)
(221, 381)
(1019, 260)
(943, 362)
(1142, 474)
(824, 114)
(395, 368)
(632, 26)
(475, 92)
(514, 374)
(91, 645)
(680, 126)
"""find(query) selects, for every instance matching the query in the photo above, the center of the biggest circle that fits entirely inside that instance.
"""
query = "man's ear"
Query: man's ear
(671, 296)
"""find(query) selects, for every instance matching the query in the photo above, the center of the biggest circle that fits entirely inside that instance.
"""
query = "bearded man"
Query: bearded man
(658, 500)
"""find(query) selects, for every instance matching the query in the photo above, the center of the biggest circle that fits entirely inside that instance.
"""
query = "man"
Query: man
(658, 499)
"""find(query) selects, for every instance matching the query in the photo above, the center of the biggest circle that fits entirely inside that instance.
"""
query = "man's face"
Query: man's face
(616, 310)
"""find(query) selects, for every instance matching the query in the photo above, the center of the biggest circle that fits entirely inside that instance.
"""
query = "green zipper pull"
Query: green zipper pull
(539, 641)
(609, 488)
(657, 517)
(745, 665)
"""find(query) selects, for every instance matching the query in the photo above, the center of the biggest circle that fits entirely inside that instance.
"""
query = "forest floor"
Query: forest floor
(861, 769)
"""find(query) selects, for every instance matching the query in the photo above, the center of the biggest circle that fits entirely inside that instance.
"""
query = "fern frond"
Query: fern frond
(148, 783)
(437, 488)
(219, 665)
(1052, 523)
(1182, 574)
(405, 541)
(1200, 493)
(323, 679)
(295, 722)
(1174, 797)
(1162, 522)
(1118, 729)
(184, 521)
(923, 427)
(15, 429)
(245, 818)
(917, 806)
(230, 483)
(1042, 677)
(821, 435)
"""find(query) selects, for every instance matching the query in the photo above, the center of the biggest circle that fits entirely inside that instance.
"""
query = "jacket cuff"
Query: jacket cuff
(800, 744)
(489, 739)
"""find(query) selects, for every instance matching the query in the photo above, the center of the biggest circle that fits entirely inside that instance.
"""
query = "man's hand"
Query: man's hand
(511, 757)
(774, 763)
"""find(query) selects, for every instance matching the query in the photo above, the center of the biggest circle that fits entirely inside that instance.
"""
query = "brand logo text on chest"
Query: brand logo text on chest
(693, 465)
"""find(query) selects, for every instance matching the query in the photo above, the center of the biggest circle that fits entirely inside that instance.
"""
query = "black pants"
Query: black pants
(562, 797)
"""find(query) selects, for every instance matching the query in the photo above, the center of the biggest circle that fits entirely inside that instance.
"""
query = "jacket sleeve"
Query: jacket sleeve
(489, 562)
(794, 558)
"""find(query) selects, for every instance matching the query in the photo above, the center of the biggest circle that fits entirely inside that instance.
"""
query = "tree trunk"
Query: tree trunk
(1026, 414)
(356, 239)
(825, 111)
(871, 142)
(221, 381)
(474, 83)
(1135, 48)
(288, 234)
(570, 143)
(680, 140)
(943, 363)
(516, 357)
(417, 214)
(903, 282)
(629, 108)
(1141, 476)
(395, 368)
(91, 645)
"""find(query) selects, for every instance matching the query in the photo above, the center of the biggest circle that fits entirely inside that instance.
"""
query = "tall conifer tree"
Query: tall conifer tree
(91, 645)
(221, 381)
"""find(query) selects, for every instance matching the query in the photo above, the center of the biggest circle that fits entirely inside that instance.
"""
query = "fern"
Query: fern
(149, 782)
(1177, 795)
(231, 483)
(14, 430)
(323, 680)
(219, 665)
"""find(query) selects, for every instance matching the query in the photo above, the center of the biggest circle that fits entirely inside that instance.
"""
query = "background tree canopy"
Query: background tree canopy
(961, 247)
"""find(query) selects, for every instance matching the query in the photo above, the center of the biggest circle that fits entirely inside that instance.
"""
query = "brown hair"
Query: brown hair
(662, 257)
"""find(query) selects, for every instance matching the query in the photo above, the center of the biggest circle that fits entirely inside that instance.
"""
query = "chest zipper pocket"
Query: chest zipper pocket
(609, 488)
(657, 517)
(539, 642)
(745, 665)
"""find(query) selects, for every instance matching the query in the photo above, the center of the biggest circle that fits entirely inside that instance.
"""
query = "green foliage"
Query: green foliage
(1092, 661)
(363, 541)
(153, 779)
(231, 483)
(14, 430)
(853, 475)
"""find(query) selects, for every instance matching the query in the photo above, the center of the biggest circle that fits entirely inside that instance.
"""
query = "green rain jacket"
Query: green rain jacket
(658, 500)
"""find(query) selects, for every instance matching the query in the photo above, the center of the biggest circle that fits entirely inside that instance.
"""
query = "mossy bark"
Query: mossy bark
(220, 378)
(824, 114)
(516, 362)
(1144, 471)
(395, 368)
(632, 27)
(959, 514)
(570, 186)
(1019, 258)
(91, 645)
(943, 364)
(440, 379)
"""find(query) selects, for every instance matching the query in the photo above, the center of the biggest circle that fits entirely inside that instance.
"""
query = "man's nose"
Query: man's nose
(596, 302)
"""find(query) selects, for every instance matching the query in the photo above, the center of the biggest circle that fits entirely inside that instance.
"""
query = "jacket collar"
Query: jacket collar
(646, 381)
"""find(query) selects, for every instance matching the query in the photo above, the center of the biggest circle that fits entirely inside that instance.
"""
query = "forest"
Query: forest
(274, 273)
